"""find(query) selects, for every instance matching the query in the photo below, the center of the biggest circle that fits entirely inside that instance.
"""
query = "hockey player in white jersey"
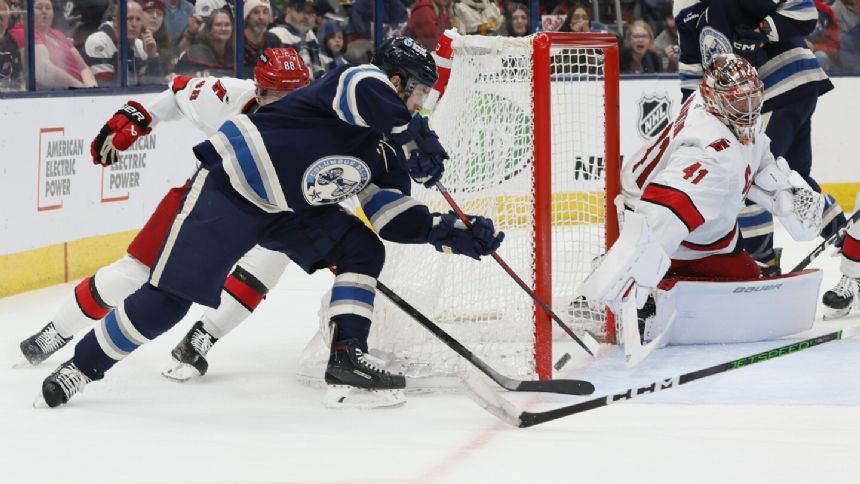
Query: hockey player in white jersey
(206, 103)
(687, 188)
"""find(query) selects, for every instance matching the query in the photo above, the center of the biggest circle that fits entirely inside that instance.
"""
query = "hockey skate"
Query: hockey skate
(61, 385)
(841, 299)
(355, 380)
(40, 346)
(772, 267)
(189, 356)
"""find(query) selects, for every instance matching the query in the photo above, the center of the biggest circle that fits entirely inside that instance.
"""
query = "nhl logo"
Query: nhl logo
(654, 114)
(333, 179)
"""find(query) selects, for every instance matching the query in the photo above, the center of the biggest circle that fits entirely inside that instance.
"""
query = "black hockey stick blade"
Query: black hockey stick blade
(567, 387)
(826, 243)
(506, 411)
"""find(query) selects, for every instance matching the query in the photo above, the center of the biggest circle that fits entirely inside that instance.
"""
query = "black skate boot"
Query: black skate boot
(40, 346)
(61, 385)
(841, 298)
(190, 354)
(644, 315)
(772, 267)
(355, 380)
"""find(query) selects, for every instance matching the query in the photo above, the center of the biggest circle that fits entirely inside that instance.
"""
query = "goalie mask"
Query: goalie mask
(407, 59)
(733, 92)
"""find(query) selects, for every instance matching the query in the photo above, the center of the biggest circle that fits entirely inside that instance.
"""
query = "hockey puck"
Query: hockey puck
(562, 361)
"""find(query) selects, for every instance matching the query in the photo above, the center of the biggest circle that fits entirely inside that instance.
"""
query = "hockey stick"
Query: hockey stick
(506, 411)
(826, 243)
(568, 387)
(587, 342)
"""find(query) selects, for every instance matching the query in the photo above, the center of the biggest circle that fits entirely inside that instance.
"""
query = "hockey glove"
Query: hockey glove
(121, 131)
(425, 168)
(451, 235)
(748, 43)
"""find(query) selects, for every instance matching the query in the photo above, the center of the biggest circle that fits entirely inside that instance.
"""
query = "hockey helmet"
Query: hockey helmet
(733, 92)
(281, 69)
(406, 58)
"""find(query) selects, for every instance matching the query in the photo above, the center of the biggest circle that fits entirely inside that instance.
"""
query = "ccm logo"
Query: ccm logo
(757, 288)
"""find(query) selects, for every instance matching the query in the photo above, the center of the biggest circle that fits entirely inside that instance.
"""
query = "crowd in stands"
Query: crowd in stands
(77, 41)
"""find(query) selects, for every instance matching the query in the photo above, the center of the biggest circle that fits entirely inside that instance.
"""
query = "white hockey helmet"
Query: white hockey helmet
(734, 93)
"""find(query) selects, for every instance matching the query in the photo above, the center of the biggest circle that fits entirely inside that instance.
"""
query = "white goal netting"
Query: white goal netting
(486, 122)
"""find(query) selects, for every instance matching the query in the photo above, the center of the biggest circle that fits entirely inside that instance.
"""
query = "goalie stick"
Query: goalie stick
(587, 342)
(506, 411)
(568, 387)
(826, 243)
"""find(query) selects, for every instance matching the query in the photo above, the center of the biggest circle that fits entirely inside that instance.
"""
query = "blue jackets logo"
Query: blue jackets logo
(333, 179)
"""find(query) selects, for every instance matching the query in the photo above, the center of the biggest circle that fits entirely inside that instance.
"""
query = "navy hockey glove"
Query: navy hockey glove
(450, 235)
(425, 168)
(748, 43)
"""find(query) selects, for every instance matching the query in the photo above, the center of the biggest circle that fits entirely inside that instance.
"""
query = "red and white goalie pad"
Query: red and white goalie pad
(735, 312)
(636, 257)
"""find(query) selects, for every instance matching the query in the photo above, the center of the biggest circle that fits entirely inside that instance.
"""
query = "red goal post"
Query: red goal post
(542, 60)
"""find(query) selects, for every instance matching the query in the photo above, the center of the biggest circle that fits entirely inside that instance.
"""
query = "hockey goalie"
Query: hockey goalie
(680, 240)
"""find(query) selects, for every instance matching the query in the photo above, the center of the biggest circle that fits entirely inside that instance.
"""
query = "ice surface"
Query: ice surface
(794, 419)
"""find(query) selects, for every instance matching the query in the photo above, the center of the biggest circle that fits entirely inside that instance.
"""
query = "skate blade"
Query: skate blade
(180, 372)
(23, 363)
(40, 402)
(831, 314)
(344, 396)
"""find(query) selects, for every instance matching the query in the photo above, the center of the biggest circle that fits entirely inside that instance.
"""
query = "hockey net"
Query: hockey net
(528, 124)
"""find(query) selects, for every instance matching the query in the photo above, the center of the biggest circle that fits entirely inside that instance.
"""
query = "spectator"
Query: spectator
(213, 53)
(332, 50)
(394, 18)
(58, 63)
(10, 56)
(847, 14)
(666, 44)
(101, 50)
(176, 18)
(153, 24)
(84, 17)
(638, 55)
(202, 10)
(481, 17)
(258, 16)
(824, 40)
(517, 20)
(297, 32)
(577, 21)
(429, 18)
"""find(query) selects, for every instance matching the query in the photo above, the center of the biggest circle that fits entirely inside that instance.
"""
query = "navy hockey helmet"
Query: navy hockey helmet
(406, 58)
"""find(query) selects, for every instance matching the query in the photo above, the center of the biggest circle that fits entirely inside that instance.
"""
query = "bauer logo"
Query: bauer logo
(333, 179)
(58, 162)
(744, 289)
(655, 113)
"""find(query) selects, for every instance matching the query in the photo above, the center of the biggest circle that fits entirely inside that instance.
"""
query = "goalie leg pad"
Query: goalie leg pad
(737, 312)
(635, 257)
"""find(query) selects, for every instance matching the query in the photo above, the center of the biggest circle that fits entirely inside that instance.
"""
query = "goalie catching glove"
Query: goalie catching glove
(426, 160)
(121, 131)
(449, 234)
(784, 193)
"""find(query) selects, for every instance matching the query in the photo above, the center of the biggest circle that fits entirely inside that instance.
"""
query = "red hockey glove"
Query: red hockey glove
(121, 131)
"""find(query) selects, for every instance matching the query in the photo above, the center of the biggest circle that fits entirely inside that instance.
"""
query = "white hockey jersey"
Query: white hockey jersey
(205, 101)
(691, 182)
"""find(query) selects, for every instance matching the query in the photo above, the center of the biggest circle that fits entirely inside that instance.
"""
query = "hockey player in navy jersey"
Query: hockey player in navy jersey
(771, 35)
(274, 178)
(206, 103)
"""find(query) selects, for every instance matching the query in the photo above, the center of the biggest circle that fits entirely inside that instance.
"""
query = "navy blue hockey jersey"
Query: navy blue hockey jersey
(320, 145)
(790, 69)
